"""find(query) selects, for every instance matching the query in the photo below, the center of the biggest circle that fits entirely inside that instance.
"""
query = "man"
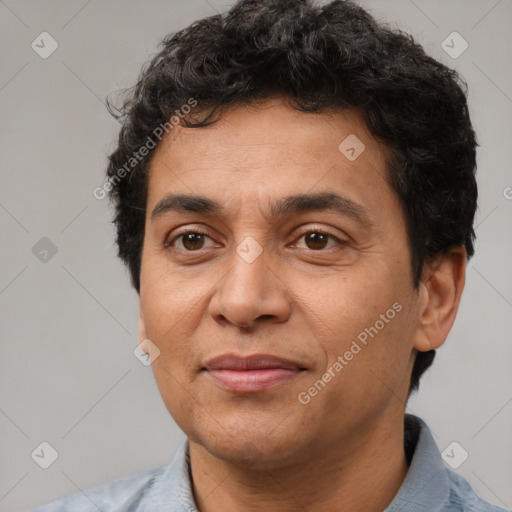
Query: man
(295, 193)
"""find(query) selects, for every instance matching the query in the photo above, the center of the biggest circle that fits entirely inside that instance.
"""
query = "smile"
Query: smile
(251, 373)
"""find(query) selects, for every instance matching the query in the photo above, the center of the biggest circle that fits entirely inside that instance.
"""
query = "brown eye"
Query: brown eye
(316, 240)
(189, 241)
(193, 241)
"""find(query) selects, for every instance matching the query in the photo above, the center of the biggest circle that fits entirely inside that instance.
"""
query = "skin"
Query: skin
(306, 302)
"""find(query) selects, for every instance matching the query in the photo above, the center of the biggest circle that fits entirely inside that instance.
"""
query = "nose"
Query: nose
(250, 293)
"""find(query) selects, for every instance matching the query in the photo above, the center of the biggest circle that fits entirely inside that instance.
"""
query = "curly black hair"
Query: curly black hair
(321, 58)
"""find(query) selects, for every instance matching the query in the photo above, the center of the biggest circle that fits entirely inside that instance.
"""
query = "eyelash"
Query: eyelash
(168, 244)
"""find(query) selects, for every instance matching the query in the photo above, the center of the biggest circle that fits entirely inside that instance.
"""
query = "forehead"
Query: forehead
(274, 127)
(270, 150)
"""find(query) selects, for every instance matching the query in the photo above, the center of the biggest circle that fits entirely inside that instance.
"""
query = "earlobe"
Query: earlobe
(439, 298)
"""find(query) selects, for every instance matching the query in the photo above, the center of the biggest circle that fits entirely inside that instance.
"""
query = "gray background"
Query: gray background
(69, 325)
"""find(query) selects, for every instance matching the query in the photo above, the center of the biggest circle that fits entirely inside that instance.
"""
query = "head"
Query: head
(337, 154)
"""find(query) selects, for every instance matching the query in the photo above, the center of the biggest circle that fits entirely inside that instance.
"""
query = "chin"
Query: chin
(248, 455)
(251, 448)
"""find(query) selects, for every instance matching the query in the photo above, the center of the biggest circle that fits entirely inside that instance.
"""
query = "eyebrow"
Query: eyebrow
(297, 203)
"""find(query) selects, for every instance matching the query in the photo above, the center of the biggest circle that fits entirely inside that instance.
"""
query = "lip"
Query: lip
(255, 372)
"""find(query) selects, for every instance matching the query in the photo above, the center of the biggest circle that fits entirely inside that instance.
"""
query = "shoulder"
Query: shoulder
(121, 495)
(463, 499)
(429, 484)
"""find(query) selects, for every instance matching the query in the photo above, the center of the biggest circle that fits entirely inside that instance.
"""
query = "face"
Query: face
(297, 252)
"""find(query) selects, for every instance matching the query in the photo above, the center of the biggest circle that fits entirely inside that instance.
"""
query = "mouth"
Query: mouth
(252, 373)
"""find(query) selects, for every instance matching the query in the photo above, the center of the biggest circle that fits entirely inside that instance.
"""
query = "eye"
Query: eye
(189, 241)
(316, 240)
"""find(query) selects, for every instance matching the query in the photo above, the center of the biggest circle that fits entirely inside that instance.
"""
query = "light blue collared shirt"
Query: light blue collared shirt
(428, 486)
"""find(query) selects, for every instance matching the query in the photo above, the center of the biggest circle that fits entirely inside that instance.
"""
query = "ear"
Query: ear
(142, 326)
(439, 298)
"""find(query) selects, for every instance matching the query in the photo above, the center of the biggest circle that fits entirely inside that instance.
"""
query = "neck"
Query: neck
(363, 472)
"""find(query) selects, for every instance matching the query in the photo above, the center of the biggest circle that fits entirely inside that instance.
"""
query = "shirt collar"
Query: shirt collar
(175, 487)
(425, 487)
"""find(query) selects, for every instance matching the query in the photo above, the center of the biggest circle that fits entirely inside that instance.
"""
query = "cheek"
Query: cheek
(345, 307)
(171, 309)
(175, 391)
(368, 325)
(170, 298)
(379, 370)
(171, 313)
